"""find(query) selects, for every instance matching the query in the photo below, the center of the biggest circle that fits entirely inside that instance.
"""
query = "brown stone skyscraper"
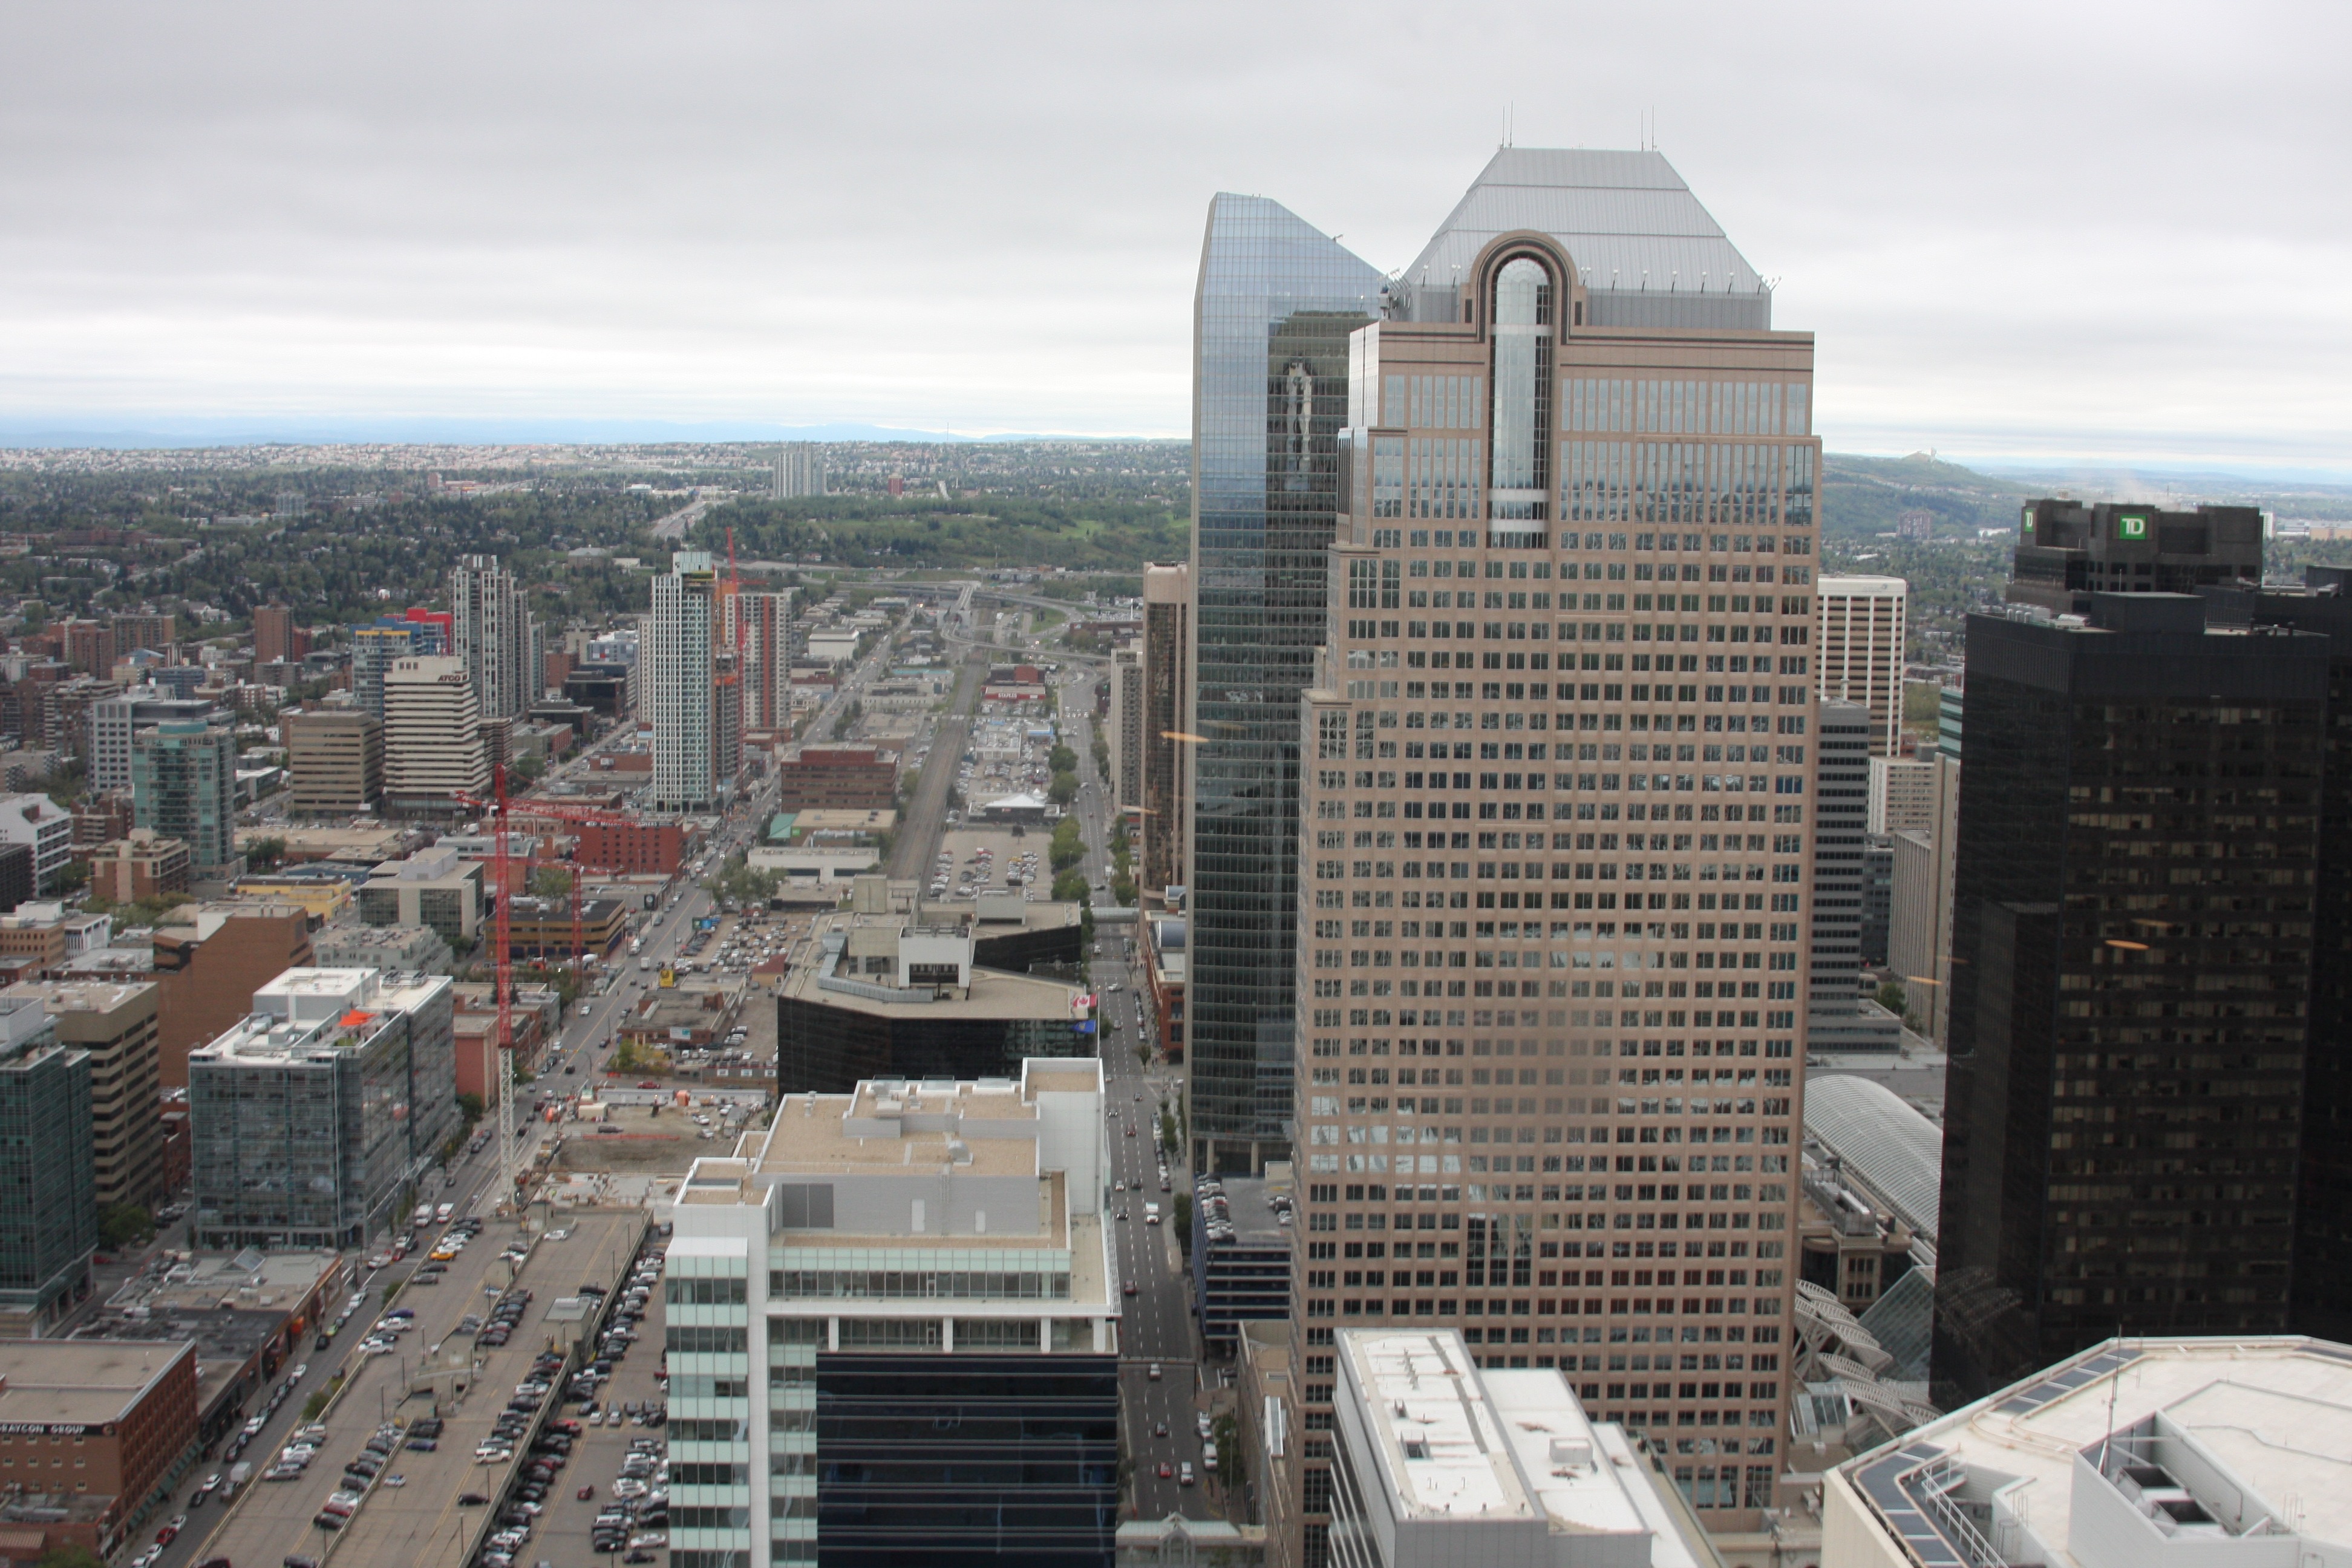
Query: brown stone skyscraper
(1555, 820)
(1167, 757)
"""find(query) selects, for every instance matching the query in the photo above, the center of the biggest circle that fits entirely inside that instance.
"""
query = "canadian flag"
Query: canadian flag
(1082, 1001)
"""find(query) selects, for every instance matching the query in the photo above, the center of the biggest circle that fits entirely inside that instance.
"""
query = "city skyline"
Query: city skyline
(309, 279)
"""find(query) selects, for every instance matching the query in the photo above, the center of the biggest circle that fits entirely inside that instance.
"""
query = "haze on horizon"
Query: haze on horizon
(2095, 231)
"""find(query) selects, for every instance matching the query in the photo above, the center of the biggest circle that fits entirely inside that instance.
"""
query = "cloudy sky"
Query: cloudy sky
(2049, 228)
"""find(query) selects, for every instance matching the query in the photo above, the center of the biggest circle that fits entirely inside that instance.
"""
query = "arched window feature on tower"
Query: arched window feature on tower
(1521, 318)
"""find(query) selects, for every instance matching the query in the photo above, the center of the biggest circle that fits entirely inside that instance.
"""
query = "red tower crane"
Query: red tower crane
(501, 810)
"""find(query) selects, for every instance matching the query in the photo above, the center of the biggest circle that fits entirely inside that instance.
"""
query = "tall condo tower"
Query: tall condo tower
(493, 635)
(685, 700)
(1558, 821)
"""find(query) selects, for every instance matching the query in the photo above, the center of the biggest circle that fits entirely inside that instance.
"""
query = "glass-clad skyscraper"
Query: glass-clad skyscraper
(1276, 301)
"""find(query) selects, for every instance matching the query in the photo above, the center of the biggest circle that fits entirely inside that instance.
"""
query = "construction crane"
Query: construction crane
(499, 810)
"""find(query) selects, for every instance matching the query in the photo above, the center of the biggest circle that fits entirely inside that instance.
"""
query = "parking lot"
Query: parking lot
(415, 1510)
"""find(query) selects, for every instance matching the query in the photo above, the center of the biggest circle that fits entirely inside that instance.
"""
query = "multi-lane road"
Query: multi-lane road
(1157, 1416)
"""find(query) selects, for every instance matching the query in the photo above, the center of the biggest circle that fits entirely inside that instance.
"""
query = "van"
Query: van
(1151, 1213)
(444, 1214)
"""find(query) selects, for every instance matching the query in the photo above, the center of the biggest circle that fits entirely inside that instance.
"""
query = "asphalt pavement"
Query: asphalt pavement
(1157, 1416)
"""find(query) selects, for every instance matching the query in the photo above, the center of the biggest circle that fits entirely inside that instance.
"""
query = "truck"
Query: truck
(448, 1212)
(423, 1215)
(1151, 1213)
(237, 1475)
(643, 962)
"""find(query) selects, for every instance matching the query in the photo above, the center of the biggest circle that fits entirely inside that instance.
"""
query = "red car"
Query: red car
(1166, 1469)
(585, 1493)
(647, 1083)
(1130, 1132)
(1129, 1288)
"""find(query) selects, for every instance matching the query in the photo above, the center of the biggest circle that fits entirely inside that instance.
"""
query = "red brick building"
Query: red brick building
(95, 1424)
(855, 778)
(639, 847)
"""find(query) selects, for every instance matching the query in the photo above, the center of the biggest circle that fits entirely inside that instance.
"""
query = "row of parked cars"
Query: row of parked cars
(278, 1394)
(550, 1452)
(636, 1521)
(523, 1408)
(360, 1474)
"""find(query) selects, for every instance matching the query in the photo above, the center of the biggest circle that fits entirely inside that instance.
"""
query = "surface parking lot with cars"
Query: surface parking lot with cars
(597, 1485)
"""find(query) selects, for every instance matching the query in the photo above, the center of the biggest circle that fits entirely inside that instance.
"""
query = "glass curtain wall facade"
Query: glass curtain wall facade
(1276, 302)
(1556, 866)
(48, 1198)
(2132, 962)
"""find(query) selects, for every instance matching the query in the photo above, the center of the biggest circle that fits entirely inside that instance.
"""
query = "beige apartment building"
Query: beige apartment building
(116, 1024)
(1557, 833)
(1864, 622)
(334, 758)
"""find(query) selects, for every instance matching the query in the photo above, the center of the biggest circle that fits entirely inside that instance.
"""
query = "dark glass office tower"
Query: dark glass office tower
(2132, 960)
(927, 1461)
(2320, 1302)
(1276, 303)
(2067, 551)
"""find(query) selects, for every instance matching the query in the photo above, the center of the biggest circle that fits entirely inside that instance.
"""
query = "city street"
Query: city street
(1158, 1328)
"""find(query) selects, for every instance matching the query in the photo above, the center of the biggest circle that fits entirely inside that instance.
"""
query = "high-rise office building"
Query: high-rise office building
(183, 786)
(342, 1084)
(1276, 303)
(1557, 818)
(2132, 1038)
(494, 637)
(114, 720)
(2068, 551)
(374, 648)
(683, 690)
(1167, 701)
(1835, 1018)
(48, 1194)
(1126, 732)
(1864, 623)
(432, 737)
(800, 471)
(2322, 1230)
(114, 1025)
(334, 760)
(893, 1340)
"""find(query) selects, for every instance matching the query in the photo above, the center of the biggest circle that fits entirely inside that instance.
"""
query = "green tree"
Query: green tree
(551, 882)
(1062, 760)
(124, 1225)
(1063, 789)
(67, 1554)
(1067, 847)
(264, 854)
(1226, 1434)
(469, 1106)
(1070, 887)
(1891, 996)
(625, 1058)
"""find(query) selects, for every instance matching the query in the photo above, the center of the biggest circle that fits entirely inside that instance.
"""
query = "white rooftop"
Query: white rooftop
(2272, 1417)
(1455, 1445)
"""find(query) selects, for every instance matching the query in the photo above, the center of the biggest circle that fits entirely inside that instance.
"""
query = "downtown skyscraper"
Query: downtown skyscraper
(688, 726)
(1557, 821)
(495, 637)
(1276, 303)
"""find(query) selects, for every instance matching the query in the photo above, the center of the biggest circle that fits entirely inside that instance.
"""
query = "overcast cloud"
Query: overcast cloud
(2090, 230)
